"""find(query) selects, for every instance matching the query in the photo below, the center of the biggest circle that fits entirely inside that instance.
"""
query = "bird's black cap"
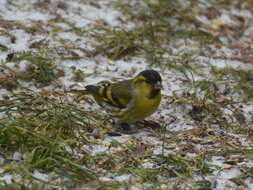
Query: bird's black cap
(152, 76)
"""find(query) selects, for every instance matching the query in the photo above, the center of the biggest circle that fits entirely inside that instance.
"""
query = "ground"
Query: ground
(199, 138)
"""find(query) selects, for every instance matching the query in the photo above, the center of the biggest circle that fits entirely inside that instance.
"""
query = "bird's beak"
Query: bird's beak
(158, 86)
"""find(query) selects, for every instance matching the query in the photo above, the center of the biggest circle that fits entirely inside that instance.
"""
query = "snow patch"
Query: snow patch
(41, 176)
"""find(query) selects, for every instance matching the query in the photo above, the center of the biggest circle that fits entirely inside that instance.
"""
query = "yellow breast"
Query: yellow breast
(142, 105)
(146, 106)
(141, 108)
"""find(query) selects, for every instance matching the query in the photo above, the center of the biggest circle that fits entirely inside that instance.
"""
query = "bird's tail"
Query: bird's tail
(90, 89)
(101, 92)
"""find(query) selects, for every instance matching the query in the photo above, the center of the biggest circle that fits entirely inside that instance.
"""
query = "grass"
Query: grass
(3, 47)
(47, 133)
(167, 168)
(117, 43)
(41, 70)
(52, 134)
(153, 32)
(225, 89)
(177, 165)
(79, 75)
(241, 80)
(157, 27)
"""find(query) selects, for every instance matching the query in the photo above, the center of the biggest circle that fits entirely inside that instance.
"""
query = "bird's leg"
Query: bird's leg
(120, 128)
(125, 126)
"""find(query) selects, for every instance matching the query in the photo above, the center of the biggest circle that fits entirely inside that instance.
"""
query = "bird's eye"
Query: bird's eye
(146, 82)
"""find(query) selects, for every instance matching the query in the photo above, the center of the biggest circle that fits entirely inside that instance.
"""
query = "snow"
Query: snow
(105, 179)
(26, 16)
(218, 161)
(88, 14)
(161, 151)
(222, 63)
(3, 56)
(98, 68)
(120, 178)
(7, 178)
(68, 36)
(17, 156)
(229, 173)
(22, 66)
(99, 149)
(223, 175)
(249, 183)
(242, 13)
(4, 93)
(20, 44)
(8, 12)
(226, 19)
(4, 40)
(148, 164)
(1, 162)
(22, 41)
(41, 176)
(3, 3)
(122, 139)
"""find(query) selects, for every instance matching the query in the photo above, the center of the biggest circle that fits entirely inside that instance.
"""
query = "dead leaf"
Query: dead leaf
(8, 82)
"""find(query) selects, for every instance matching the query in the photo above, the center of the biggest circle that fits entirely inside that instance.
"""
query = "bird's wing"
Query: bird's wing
(122, 93)
(117, 94)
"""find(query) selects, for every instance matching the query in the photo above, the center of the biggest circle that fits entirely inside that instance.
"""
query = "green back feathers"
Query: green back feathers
(139, 96)
(119, 94)
(115, 94)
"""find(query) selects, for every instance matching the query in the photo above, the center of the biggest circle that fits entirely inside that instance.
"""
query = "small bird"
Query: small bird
(135, 98)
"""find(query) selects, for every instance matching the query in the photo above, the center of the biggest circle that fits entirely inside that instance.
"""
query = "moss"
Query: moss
(41, 70)
(79, 75)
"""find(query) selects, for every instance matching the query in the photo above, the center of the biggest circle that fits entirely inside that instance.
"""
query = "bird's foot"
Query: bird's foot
(150, 124)
(122, 128)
